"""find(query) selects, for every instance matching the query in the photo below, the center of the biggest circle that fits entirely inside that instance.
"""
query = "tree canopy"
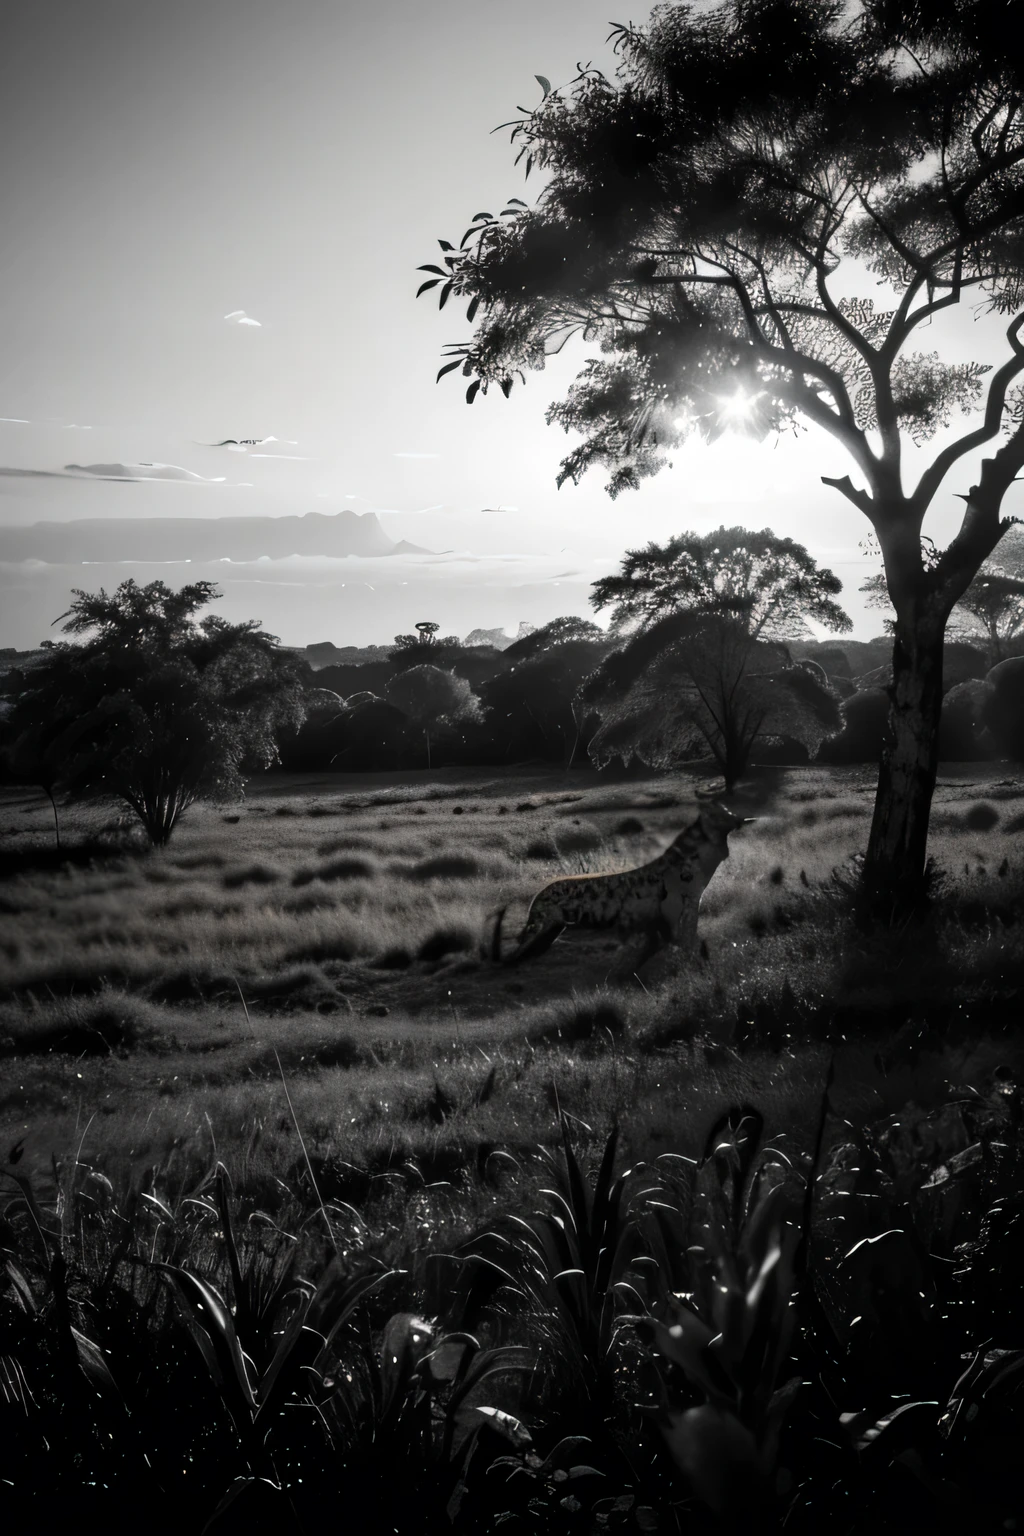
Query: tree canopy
(696, 684)
(770, 586)
(698, 206)
(154, 708)
(556, 632)
(434, 699)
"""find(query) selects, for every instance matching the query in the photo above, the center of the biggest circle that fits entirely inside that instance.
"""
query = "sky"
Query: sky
(173, 172)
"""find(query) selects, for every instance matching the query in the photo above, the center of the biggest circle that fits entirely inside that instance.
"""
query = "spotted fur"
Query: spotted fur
(658, 900)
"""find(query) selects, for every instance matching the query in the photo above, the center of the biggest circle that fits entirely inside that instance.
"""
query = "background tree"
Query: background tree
(562, 631)
(991, 610)
(414, 650)
(770, 586)
(697, 683)
(433, 699)
(33, 754)
(724, 216)
(535, 703)
(155, 708)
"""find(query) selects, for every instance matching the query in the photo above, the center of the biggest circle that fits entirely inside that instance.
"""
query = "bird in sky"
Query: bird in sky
(240, 444)
(239, 317)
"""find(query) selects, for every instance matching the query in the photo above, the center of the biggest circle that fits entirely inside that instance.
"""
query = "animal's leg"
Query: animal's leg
(532, 944)
(495, 946)
(654, 939)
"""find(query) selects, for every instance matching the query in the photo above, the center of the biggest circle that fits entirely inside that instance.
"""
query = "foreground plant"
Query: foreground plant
(728, 1340)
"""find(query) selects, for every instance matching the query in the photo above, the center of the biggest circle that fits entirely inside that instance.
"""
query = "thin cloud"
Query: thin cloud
(47, 421)
(34, 474)
(142, 472)
(239, 317)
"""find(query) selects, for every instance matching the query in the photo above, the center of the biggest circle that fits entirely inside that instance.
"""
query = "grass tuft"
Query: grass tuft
(454, 939)
(446, 866)
(252, 874)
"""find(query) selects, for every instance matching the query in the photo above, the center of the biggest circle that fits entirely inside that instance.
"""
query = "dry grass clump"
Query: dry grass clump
(301, 986)
(352, 842)
(313, 901)
(251, 874)
(395, 958)
(446, 866)
(981, 817)
(449, 940)
(541, 848)
(585, 838)
(204, 859)
(338, 869)
(108, 1021)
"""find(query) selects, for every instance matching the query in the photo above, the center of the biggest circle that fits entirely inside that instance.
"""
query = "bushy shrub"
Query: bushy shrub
(865, 724)
(962, 736)
(1003, 711)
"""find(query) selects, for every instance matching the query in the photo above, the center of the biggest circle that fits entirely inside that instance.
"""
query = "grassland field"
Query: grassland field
(313, 961)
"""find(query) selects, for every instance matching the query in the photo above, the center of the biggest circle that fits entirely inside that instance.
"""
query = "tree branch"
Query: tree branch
(861, 500)
(933, 477)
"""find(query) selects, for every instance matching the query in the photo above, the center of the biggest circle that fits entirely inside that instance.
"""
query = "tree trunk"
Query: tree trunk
(898, 844)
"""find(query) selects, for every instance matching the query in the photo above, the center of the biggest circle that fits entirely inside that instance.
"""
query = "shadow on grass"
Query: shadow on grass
(51, 859)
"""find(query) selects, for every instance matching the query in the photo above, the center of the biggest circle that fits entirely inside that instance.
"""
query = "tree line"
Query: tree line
(708, 653)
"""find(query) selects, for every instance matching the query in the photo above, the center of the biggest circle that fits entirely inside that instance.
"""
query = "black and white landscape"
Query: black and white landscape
(511, 806)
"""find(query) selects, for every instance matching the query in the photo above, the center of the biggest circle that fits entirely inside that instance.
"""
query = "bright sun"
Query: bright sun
(738, 407)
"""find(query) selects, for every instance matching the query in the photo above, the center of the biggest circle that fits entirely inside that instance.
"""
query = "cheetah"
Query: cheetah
(658, 900)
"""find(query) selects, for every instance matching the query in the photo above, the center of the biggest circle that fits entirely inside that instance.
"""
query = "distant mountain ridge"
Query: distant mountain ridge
(110, 539)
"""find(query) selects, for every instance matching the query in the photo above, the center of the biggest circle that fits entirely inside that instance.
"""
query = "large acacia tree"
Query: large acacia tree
(722, 216)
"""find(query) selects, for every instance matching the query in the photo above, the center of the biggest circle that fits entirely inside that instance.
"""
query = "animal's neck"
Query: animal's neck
(693, 846)
(687, 846)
